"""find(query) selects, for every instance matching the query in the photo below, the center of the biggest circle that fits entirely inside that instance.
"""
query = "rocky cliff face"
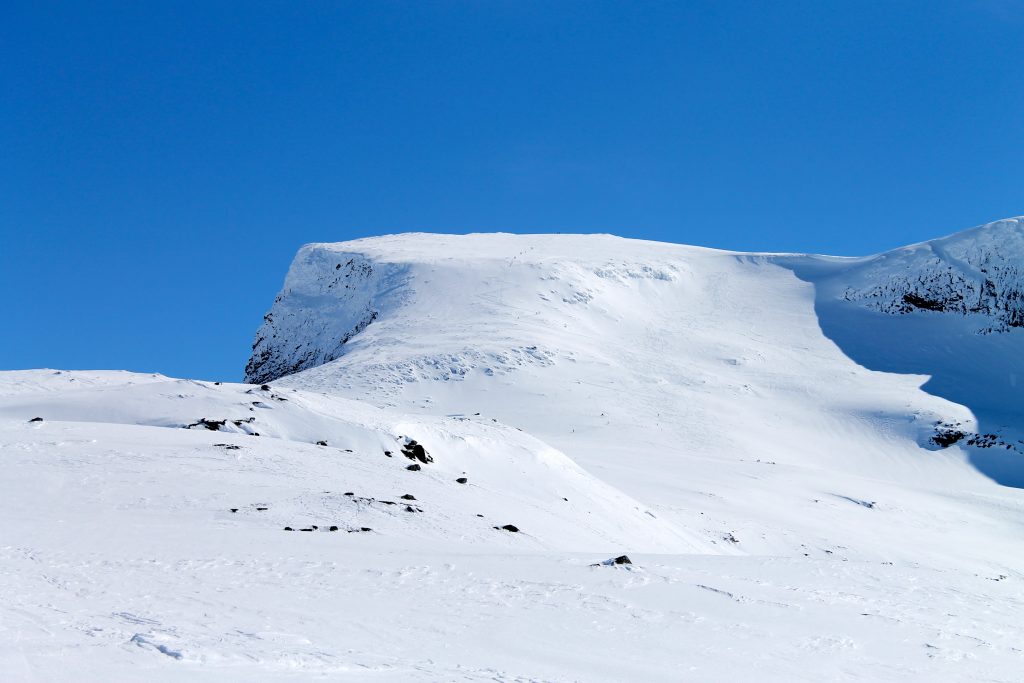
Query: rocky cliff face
(978, 272)
(328, 298)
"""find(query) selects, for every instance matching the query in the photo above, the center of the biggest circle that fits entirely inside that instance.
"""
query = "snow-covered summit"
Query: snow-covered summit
(334, 291)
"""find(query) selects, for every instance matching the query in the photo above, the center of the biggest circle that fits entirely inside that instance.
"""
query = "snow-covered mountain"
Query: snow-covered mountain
(334, 291)
(700, 366)
(815, 464)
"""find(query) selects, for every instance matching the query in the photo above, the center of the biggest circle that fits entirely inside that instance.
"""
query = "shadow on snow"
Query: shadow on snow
(983, 372)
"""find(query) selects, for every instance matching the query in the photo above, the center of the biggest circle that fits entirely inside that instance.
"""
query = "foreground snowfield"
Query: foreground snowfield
(762, 434)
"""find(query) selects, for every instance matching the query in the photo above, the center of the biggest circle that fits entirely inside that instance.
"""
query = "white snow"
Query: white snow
(753, 430)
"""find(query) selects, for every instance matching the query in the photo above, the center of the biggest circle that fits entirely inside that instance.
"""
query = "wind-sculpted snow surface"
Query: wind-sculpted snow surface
(150, 536)
(357, 452)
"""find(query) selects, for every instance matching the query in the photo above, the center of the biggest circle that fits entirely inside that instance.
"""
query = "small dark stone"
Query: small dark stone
(234, 509)
(305, 529)
(410, 508)
(217, 384)
(321, 443)
(348, 493)
(333, 528)
(462, 480)
(265, 387)
(479, 515)
(387, 453)
(36, 419)
(622, 559)
(315, 526)
(509, 527)
(408, 496)
(413, 468)
(288, 528)
(365, 528)
(348, 450)
(261, 509)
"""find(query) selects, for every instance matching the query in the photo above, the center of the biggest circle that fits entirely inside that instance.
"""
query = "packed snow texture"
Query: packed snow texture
(814, 464)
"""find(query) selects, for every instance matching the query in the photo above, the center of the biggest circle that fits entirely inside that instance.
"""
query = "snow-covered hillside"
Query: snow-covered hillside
(680, 374)
(813, 462)
(360, 454)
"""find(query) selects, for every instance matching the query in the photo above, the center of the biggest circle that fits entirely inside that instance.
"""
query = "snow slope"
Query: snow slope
(352, 454)
(814, 463)
(722, 389)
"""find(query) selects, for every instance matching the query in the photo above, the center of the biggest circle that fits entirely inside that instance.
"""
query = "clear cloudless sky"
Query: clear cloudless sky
(160, 162)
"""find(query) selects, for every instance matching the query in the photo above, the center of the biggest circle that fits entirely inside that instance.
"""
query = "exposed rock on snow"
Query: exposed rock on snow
(328, 298)
(977, 272)
(415, 451)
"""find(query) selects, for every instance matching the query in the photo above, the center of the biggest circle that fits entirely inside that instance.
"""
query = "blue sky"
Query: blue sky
(160, 163)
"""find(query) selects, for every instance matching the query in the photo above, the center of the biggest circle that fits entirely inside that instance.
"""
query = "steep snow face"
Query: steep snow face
(978, 272)
(948, 310)
(328, 298)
